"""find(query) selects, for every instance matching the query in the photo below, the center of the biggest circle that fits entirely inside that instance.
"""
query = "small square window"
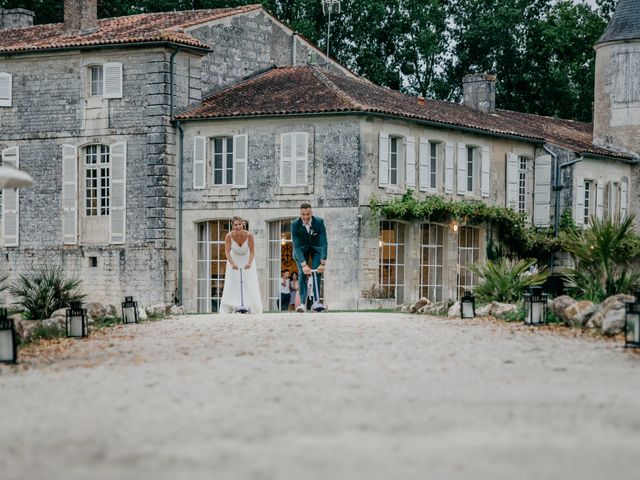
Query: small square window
(93, 261)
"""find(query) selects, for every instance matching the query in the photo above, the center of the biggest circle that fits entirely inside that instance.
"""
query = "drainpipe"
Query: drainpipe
(558, 186)
(180, 167)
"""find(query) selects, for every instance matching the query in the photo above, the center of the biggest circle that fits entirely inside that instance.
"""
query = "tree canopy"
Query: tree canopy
(541, 50)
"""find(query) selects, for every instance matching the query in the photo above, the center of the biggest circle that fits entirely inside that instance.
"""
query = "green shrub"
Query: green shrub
(505, 280)
(42, 291)
(602, 253)
(45, 332)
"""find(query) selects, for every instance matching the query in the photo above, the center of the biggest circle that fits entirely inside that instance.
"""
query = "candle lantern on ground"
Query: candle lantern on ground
(468, 305)
(535, 306)
(632, 323)
(8, 343)
(129, 310)
(76, 321)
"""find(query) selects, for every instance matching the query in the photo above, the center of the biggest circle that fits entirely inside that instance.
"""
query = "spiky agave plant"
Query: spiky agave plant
(505, 280)
(40, 291)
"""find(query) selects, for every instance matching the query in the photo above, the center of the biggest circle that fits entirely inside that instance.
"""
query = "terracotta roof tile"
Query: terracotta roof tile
(145, 27)
(309, 90)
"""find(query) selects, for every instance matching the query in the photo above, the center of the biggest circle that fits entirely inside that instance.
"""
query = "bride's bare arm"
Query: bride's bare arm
(227, 250)
(252, 250)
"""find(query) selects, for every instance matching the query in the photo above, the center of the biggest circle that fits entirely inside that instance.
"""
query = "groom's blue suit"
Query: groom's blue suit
(312, 243)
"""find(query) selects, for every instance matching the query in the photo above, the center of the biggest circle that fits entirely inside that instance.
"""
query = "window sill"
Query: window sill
(220, 192)
(393, 190)
(293, 190)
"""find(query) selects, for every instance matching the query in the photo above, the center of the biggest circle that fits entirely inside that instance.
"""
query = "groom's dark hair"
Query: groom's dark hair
(305, 205)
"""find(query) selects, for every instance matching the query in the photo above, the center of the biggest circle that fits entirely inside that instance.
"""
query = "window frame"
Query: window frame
(227, 168)
(395, 140)
(588, 199)
(523, 178)
(435, 147)
(93, 82)
(470, 167)
(100, 179)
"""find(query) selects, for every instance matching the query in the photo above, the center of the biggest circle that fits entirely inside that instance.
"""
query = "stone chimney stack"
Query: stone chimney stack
(480, 92)
(15, 18)
(80, 16)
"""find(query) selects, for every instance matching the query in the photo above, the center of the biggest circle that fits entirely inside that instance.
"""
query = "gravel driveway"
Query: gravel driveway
(329, 396)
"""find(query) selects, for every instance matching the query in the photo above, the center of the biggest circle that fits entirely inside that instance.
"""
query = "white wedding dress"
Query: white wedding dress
(251, 289)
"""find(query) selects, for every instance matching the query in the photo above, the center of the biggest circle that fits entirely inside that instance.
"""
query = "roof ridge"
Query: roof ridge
(332, 86)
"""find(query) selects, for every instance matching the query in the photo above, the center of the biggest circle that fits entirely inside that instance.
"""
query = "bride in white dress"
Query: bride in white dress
(240, 250)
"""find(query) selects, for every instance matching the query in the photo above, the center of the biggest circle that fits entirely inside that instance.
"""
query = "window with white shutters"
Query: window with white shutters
(5, 89)
(294, 159)
(105, 80)
(431, 161)
(588, 200)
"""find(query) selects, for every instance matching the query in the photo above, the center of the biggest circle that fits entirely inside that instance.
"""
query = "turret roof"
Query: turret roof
(625, 22)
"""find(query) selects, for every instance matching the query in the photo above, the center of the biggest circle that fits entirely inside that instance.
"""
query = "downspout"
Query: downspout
(558, 186)
(180, 167)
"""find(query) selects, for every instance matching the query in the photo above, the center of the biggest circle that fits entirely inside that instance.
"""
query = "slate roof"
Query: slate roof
(142, 28)
(310, 90)
(625, 22)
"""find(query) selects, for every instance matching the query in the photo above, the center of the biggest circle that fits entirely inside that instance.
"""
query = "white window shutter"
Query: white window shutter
(383, 159)
(424, 173)
(599, 199)
(240, 158)
(5, 89)
(512, 181)
(578, 214)
(624, 187)
(10, 201)
(286, 159)
(69, 195)
(462, 169)
(199, 162)
(112, 78)
(118, 212)
(542, 191)
(448, 169)
(410, 173)
(610, 199)
(301, 152)
(485, 179)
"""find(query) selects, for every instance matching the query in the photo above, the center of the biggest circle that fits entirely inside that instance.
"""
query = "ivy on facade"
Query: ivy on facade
(508, 227)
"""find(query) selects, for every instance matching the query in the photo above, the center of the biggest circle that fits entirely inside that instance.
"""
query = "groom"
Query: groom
(309, 250)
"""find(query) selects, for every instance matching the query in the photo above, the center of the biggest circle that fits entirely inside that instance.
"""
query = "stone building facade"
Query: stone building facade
(136, 200)
(86, 108)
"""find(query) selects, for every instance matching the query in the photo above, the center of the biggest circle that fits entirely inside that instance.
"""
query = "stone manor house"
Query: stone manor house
(146, 133)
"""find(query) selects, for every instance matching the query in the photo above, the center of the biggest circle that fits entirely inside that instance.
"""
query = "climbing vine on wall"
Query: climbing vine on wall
(509, 227)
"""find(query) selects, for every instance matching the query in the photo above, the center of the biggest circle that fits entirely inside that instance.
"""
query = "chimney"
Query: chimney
(15, 18)
(80, 16)
(480, 92)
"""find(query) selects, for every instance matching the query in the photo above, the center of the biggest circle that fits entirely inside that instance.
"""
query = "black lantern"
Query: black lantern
(129, 310)
(535, 306)
(468, 305)
(632, 323)
(8, 344)
(76, 321)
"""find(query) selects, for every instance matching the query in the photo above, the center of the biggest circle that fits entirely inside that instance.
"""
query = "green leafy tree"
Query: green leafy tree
(603, 255)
